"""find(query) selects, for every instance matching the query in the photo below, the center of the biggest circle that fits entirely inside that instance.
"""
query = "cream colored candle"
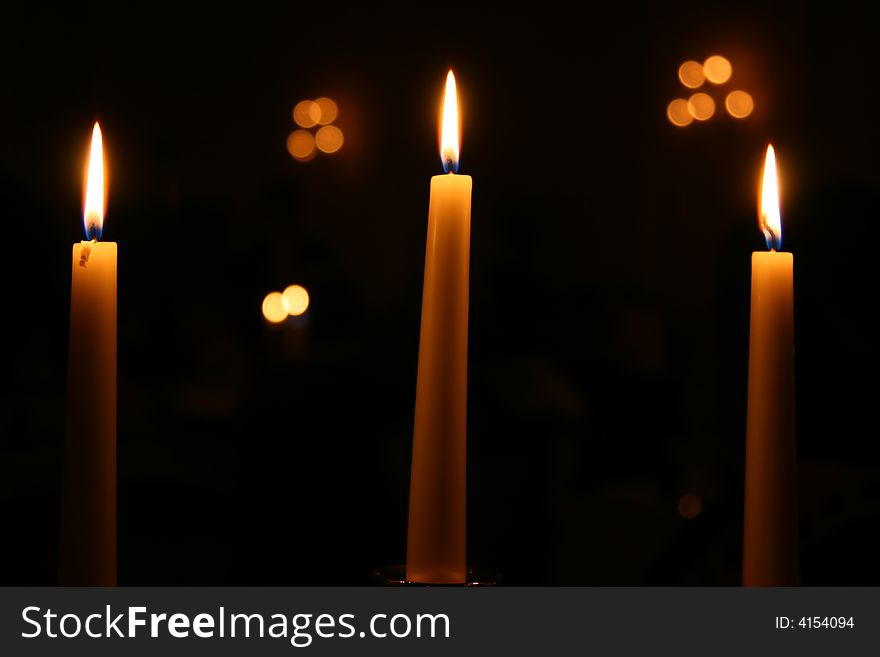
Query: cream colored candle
(436, 531)
(770, 540)
(88, 525)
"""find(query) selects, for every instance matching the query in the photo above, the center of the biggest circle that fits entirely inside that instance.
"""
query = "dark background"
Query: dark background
(609, 283)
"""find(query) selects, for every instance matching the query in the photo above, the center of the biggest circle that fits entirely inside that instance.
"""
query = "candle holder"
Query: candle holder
(396, 576)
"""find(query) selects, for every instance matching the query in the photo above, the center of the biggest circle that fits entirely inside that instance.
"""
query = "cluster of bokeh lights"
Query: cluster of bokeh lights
(700, 106)
(318, 114)
(278, 306)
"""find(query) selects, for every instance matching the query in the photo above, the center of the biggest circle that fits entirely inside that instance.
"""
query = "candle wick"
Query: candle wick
(772, 237)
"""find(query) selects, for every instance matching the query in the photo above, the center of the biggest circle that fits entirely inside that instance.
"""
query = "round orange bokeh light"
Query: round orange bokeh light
(691, 74)
(701, 106)
(678, 114)
(296, 300)
(307, 113)
(329, 139)
(301, 145)
(273, 308)
(718, 69)
(739, 104)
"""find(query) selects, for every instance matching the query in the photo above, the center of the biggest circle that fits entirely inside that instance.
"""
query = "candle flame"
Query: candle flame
(93, 206)
(449, 128)
(770, 221)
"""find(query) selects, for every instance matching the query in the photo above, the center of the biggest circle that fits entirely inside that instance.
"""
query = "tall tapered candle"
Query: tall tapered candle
(88, 525)
(436, 531)
(770, 540)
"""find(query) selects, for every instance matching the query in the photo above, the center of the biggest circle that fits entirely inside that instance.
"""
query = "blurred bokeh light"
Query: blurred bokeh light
(718, 69)
(691, 74)
(296, 300)
(329, 139)
(327, 110)
(739, 104)
(678, 113)
(306, 113)
(701, 106)
(273, 308)
(690, 505)
(301, 145)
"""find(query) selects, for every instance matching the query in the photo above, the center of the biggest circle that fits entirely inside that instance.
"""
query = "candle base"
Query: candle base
(396, 576)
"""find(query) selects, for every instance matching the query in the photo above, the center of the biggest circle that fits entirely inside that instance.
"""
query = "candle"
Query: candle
(88, 525)
(770, 543)
(436, 531)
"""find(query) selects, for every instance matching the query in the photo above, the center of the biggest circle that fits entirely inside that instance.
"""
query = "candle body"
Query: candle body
(88, 524)
(436, 530)
(770, 541)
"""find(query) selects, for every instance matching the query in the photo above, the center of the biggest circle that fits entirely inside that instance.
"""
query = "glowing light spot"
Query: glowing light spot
(678, 114)
(690, 506)
(701, 106)
(329, 139)
(307, 113)
(301, 145)
(273, 308)
(739, 104)
(296, 299)
(691, 74)
(327, 109)
(717, 69)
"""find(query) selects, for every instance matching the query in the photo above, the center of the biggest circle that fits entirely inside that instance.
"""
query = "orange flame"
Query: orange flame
(449, 127)
(95, 199)
(770, 219)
